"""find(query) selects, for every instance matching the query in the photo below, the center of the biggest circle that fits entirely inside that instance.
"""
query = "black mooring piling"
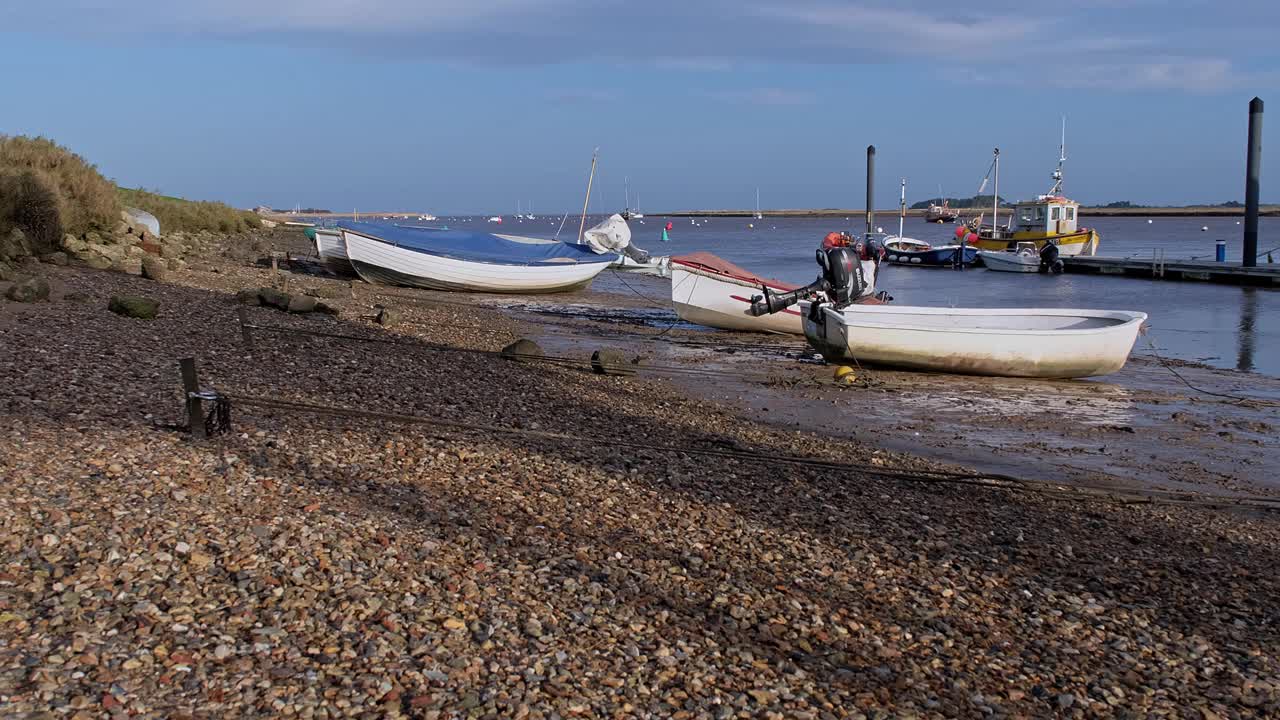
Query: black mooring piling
(1252, 174)
(871, 188)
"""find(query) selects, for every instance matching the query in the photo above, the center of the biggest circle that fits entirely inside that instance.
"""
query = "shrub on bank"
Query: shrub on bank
(46, 190)
(177, 214)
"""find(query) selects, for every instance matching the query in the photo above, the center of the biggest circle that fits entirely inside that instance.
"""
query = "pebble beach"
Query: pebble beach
(312, 565)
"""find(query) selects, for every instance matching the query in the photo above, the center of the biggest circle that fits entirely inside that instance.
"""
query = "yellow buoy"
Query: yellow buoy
(845, 376)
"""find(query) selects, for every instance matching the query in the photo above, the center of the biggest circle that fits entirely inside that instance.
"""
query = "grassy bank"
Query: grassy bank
(47, 192)
(177, 214)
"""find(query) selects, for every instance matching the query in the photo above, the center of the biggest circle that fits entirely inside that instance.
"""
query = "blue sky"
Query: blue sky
(472, 105)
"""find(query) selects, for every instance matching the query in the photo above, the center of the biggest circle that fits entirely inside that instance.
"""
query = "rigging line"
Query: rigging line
(995, 481)
(1237, 399)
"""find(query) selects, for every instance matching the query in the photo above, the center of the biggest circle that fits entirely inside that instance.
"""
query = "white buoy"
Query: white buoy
(751, 226)
(879, 229)
(1204, 228)
(1150, 221)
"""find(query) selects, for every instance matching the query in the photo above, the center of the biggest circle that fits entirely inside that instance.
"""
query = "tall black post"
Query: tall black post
(1253, 171)
(871, 188)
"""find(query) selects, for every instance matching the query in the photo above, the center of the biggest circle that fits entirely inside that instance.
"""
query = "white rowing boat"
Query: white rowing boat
(332, 250)
(439, 259)
(1039, 342)
(709, 290)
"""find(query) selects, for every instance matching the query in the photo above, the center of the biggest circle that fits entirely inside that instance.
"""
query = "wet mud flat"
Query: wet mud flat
(1142, 428)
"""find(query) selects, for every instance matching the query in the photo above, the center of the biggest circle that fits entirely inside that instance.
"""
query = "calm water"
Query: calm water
(1220, 325)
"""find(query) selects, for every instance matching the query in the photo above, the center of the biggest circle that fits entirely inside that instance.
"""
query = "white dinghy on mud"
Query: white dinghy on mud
(1039, 342)
(469, 261)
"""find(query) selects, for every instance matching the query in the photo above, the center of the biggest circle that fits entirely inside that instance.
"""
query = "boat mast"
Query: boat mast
(902, 208)
(995, 197)
(1062, 157)
(626, 194)
(583, 224)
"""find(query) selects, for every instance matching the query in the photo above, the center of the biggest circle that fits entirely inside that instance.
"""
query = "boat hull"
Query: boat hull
(719, 301)
(384, 263)
(332, 251)
(1002, 261)
(934, 257)
(1082, 242)
(1040, 343)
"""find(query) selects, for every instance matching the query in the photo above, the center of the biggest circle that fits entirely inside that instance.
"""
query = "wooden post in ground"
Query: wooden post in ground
(191, 391)
(246, 333)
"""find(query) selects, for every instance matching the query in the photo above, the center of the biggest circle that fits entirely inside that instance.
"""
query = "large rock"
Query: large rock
(327, 309)
(326, 292)
(249, 297)
(14, 245)
(95, 261)
(302, 304)
(7, 273)
(128, 265)
(153, 268)
(133, 306)
(110, 252)
(31, 289)
(73, 244)
(55, 258)
(274, 298)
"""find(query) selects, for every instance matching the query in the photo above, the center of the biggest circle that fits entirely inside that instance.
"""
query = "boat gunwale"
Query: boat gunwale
(1126, 318)
(565, 262)
(704, 271)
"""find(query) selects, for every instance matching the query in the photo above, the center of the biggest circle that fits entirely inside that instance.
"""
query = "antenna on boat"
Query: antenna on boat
(590, 178)
(1062, 157)
(995, 194)
(902, 208)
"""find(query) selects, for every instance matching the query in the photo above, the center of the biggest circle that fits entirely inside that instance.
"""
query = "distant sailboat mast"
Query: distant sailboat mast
(902, 208)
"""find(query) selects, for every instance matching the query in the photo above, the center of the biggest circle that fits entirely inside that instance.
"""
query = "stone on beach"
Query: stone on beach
(521, 349)
(134, 306)
(153, 268)
(612, 361)
(387, 317)
(32, 289)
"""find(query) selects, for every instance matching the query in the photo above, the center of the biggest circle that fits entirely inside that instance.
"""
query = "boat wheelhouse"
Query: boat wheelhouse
(1049, 219)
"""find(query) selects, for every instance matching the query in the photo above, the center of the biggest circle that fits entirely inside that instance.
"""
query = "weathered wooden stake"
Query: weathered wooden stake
(246, 333)
(191, 390)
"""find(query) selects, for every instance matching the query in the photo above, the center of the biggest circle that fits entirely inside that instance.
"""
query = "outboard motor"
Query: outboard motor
(1049, 260)
(842, 280)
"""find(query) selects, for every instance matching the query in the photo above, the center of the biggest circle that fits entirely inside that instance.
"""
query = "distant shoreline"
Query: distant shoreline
(1189, 211)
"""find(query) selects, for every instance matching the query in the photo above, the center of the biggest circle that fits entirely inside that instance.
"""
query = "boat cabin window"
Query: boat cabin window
(1071, 213)
(1053, 212)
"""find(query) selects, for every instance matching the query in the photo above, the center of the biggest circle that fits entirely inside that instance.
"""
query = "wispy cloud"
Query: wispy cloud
(1104, 44)
(765, 96)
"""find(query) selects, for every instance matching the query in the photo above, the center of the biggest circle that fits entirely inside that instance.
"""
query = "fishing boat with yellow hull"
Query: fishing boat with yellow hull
(1050, 219)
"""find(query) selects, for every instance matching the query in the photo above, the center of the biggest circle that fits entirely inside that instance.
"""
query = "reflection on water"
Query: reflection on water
(1248, 312)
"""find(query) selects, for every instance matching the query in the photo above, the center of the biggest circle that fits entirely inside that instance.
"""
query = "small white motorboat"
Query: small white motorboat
(709, 290)
(1037, 342)
(1024, 259)
(467, 260)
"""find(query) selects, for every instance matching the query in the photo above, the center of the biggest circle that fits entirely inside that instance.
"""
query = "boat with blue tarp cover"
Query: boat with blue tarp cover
(466, 260)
